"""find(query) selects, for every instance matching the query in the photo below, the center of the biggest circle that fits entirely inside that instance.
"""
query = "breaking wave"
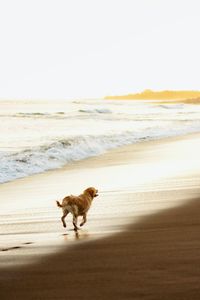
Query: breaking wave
(61, 152)
(96, 111)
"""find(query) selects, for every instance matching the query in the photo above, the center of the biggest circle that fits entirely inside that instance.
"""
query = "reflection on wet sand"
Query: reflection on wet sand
(76, 235)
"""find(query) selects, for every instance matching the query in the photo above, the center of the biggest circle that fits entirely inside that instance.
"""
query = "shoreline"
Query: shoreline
(137, 183)
(97, 154)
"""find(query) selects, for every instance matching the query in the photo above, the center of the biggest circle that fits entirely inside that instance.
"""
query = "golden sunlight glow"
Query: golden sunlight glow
(158, 95)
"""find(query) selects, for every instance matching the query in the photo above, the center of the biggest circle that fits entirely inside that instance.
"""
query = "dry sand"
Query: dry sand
(142, 236)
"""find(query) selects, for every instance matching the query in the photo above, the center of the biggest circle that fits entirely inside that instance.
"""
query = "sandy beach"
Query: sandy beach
(142, 236)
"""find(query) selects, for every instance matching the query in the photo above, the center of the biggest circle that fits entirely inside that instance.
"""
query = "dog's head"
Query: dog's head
(91, 191)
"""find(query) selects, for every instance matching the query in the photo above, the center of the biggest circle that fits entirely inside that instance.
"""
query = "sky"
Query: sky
(60, 49)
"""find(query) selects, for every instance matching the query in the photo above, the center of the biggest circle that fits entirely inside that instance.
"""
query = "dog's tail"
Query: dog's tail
(58, 204)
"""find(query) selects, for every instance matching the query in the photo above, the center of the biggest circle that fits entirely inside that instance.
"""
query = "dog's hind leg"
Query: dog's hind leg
(84, 220)
(65, 213)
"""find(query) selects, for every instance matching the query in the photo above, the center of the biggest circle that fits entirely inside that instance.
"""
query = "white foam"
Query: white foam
(62, 152)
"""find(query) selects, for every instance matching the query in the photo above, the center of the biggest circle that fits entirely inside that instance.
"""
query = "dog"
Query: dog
(77, 206)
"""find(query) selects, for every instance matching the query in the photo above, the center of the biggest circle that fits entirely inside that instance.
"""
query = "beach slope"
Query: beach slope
(142, 236)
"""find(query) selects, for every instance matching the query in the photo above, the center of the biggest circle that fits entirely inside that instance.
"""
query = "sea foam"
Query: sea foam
(61, 152)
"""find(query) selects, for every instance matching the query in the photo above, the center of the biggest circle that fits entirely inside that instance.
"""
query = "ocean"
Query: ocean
(36, 136)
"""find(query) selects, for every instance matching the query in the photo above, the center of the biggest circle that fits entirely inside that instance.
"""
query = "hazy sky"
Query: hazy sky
(91, 48)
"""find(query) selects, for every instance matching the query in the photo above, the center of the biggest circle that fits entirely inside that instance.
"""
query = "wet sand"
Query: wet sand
(142, 236)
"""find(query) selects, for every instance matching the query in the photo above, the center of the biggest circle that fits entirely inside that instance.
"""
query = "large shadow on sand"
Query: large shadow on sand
(158, 258)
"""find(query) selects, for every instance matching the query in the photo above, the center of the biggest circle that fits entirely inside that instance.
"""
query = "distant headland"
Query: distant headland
(159, 95)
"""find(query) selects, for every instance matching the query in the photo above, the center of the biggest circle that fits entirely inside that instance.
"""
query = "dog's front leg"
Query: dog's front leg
(84, 220)
(75, 219)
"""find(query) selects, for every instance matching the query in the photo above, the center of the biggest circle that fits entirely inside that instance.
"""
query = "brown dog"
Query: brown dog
(77, 206)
